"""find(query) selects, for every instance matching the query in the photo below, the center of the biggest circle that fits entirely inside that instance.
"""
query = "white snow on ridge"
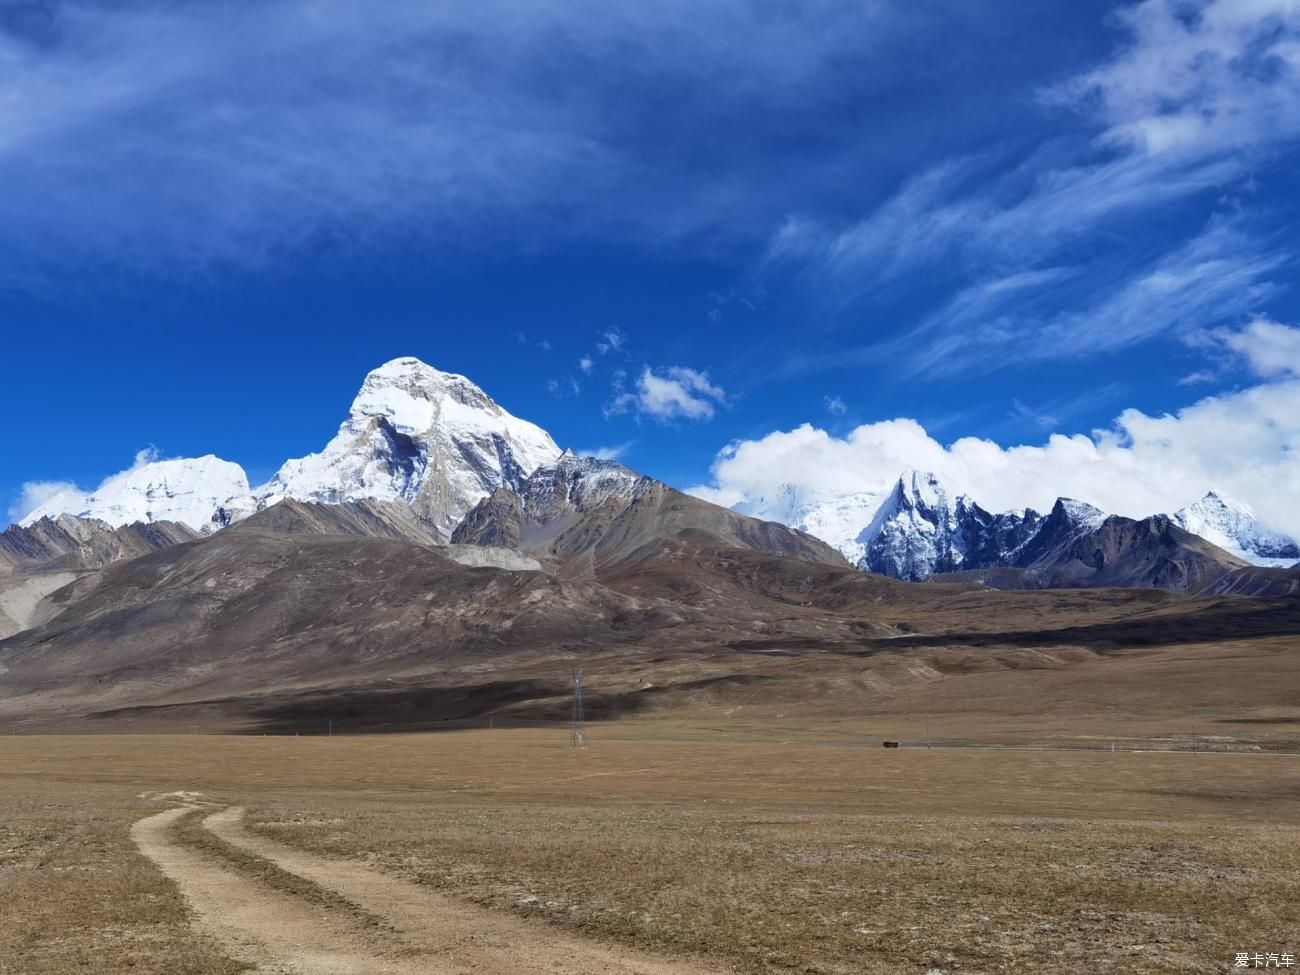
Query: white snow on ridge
(186, 490)
(1084, 516)
(837, 519)
(416, 434)
(1234, 527)
(581, 483)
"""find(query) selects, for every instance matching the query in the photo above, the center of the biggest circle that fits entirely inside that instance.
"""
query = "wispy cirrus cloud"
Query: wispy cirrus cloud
(1178, 116)
(1219, 275)
(1222, 274)
(142, 133)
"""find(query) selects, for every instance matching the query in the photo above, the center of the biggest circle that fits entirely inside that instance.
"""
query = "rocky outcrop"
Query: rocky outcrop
(69, 542)
(582, 508)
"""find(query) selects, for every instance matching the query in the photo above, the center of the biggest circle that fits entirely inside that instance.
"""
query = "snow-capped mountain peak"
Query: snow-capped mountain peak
(186, 490)
(414, 433)
(1080, 514)
(920, 490)
(1234, 527)
(914, 532)
(835, 518)
(581, 483)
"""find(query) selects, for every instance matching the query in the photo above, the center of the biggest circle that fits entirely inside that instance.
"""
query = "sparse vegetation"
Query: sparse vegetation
(771, 852)
(75, 897)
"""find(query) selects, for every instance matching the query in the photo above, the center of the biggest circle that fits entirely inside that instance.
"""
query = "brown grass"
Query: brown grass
(75, 896)
(775, 852)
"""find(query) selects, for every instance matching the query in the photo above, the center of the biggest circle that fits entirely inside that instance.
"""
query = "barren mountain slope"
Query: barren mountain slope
(369, 519)
(248, 610)
(1151, 553)
(67, 542)
(589, 515)
(253, 629)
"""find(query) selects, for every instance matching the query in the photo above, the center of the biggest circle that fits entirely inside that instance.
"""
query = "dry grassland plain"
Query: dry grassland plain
(765, 850)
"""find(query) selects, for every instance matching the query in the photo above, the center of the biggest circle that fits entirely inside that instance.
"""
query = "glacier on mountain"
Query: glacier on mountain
(437, 442)
(186, 490)
(837, 519)
(1234, 527)
(432, 439)
(416, 434)
(920, 530)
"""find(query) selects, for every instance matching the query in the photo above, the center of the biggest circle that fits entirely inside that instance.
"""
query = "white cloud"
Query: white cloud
(1179, 113)
(1270, 348)
(238, 131)
(614, 452)
(1220, 275)
(559, 388)
(674, 393)
(1023, 411)
(1245, 443)
(1198, 78)
(834, 405)
(611, 341)
(585, 363)
(33, 494)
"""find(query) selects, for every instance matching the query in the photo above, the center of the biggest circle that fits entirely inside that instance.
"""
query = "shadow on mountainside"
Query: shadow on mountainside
(1228, 618)
(398, 709)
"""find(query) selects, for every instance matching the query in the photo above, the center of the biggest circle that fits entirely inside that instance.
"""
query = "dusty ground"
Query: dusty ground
(758, 850)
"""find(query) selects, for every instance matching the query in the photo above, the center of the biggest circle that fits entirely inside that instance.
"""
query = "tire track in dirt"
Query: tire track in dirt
(275, 933)
(465, 938)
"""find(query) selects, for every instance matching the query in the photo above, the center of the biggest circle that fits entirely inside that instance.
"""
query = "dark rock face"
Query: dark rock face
(493, 521)
(1065, 522)
(69, 542)
(582, 509)
(919, 531)
(1152, 553)
(989, 540)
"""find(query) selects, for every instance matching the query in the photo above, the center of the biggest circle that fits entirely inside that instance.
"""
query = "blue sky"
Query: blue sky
(1008, 223)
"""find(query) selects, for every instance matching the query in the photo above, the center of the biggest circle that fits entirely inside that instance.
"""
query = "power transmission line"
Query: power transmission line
(577, 733)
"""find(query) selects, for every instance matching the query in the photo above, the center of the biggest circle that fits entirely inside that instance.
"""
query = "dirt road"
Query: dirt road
(430, 934)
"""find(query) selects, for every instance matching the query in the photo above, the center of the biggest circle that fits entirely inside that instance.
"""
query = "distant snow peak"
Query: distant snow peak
(921, 490)
(1234, 527)
(915, 527)
(416, 434)
(915, 532)
(835, 518)
(413, 433)
(1084, 516)
(186, 490)
(580, 483)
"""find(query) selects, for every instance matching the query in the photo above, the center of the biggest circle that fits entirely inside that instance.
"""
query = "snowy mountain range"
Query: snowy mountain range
(439, 444)
(188, 491)
(413, 433)
(1233, 526)
(919, 528)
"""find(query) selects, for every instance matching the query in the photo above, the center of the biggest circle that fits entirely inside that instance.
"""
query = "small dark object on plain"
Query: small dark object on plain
(891, 744)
